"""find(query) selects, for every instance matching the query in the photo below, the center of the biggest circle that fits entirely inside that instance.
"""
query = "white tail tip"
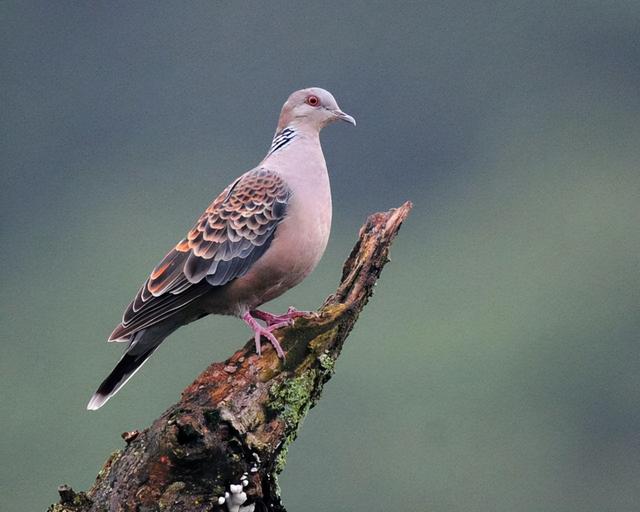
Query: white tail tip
(97, 401)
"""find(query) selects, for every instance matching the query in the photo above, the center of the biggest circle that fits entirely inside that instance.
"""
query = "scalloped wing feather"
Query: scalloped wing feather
(229, 237)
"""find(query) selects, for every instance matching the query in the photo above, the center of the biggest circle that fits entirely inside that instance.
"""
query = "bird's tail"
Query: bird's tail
(132, 360)
(124, 370)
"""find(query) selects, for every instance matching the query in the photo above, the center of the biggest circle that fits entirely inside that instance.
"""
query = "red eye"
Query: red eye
(313, 101)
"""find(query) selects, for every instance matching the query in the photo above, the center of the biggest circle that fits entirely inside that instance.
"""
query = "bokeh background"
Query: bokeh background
(498, 366)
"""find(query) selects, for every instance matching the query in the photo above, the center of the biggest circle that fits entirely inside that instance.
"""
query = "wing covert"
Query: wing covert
(231, 235)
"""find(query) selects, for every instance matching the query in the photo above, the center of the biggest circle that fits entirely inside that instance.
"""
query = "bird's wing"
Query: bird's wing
(232, 233)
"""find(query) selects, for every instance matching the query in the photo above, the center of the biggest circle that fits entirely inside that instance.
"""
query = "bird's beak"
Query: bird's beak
(344, 117)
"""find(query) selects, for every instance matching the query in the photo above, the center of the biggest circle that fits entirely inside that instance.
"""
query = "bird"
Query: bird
(260, 237)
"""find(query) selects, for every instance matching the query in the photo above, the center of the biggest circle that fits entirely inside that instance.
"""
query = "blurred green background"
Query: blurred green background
(498, 366)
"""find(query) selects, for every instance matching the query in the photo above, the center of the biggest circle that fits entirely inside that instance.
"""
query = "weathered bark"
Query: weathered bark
(229, 433)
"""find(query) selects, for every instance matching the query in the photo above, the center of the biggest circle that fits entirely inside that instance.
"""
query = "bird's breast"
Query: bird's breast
(297, 247)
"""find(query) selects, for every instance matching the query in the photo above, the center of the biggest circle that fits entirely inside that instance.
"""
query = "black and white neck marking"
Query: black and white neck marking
(281, 139)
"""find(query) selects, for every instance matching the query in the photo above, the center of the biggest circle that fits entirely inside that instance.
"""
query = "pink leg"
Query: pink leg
(259, 331)
(271, 319)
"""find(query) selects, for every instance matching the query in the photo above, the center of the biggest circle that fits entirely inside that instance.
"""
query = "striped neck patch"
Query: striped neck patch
(281, 139)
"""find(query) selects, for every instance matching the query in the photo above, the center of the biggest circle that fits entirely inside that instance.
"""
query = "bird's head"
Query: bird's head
(312, 108)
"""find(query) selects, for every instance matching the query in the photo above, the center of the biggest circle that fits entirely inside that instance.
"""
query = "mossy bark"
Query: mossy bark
(231, 429)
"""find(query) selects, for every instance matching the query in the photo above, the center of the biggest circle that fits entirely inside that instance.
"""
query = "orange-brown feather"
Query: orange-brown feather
(232, 233)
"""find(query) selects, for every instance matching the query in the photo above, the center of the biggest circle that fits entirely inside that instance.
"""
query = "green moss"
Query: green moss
(327, 362)
(291, 399)
(281, 459)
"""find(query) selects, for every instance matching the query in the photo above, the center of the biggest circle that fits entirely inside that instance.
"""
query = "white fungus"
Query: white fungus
(236, 498)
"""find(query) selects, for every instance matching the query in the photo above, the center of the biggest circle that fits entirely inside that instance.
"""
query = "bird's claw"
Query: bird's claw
(289, 317)
(273, 322)
(267, 332)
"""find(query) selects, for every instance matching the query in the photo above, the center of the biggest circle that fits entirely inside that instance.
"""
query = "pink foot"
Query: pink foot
(267, 332)
(288, 318)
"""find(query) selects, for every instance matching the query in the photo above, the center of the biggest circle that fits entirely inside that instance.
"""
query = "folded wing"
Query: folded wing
(229, 237)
